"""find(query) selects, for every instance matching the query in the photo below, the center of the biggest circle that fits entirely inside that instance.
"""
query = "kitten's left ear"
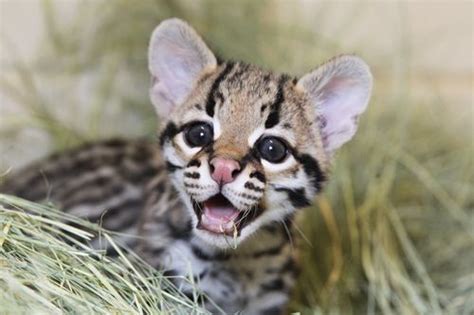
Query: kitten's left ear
(340, 91)
(177, 57)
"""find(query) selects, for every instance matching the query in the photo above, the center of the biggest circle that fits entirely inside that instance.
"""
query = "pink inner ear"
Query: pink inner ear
(341, 101)
(160, 98)
(177, 56)
(177, 70)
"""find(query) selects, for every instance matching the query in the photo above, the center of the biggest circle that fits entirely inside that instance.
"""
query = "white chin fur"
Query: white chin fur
(218, 240)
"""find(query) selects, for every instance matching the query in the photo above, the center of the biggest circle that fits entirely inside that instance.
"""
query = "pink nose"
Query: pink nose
(224, 170)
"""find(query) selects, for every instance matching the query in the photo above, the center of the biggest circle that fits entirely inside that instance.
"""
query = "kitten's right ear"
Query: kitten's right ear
(339, 90)
(177, 57)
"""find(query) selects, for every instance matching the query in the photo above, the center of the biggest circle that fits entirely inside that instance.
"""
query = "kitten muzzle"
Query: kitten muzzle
(218, 215)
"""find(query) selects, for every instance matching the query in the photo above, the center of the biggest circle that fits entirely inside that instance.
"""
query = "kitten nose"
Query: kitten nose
(224, 170)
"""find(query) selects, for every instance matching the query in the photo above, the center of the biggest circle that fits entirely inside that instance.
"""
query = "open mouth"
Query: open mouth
(217, 215)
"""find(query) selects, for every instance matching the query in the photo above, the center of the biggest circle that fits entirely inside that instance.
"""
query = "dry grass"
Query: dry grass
(47, 267)
(393, 233)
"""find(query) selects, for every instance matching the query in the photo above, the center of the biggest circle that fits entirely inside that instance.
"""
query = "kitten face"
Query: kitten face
(261, 121)
(246, 147)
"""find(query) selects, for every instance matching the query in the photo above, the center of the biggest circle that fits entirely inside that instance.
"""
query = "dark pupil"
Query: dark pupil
(272, 150)
(199, 135)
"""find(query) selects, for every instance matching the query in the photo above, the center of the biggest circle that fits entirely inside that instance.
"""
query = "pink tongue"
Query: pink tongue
(220, 212)
(219, 216)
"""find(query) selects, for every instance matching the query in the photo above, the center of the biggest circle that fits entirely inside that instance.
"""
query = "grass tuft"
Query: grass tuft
(42, 273)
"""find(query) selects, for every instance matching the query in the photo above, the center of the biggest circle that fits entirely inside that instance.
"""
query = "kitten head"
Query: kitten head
(246, 147)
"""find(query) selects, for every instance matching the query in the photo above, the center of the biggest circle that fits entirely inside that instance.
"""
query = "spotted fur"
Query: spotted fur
(154, 191)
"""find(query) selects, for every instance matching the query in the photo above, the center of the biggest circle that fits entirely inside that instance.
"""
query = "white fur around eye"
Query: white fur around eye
(187, 150)
(280, 132)
(276, 131)
(193, 114)
(279, 167)
(169, 152)
(217, 128)
(255, 135)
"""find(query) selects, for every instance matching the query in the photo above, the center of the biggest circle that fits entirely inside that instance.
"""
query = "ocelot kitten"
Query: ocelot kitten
(240, 150)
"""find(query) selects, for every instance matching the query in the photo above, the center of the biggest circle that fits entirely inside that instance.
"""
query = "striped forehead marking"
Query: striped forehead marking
(211, 97)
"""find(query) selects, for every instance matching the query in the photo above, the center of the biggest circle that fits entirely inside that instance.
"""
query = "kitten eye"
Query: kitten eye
(272, 149)
(198, 134)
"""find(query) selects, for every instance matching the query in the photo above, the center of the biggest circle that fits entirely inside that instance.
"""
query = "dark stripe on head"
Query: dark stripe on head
(211, 102)
(274, 116)
(236, 77)
(312, 169)
(168, 133)
(266, 78)
(297, 196)
(219, 96)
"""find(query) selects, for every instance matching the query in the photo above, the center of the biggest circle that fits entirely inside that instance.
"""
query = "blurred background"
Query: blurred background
(394, 231)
